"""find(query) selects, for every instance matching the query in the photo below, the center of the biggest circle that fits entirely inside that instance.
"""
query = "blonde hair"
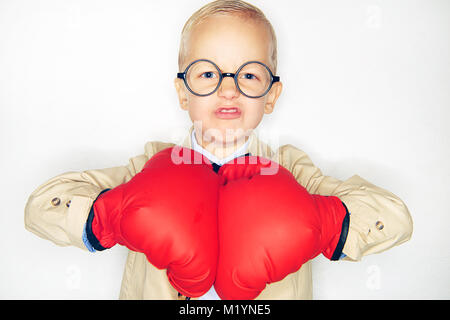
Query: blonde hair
(233, 7)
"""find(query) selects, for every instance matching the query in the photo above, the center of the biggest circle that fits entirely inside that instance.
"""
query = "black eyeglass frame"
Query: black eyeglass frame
(182, 75)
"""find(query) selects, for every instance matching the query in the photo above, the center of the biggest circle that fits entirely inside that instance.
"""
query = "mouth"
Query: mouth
(228, 113)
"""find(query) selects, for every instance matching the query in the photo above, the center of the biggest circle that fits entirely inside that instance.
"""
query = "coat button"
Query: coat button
(379, 225)
(56, 202)
(181, 297)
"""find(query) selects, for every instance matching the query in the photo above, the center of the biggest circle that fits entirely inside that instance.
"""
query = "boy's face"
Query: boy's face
(229, 42)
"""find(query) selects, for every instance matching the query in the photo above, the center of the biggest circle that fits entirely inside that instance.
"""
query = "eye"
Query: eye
(208, 74)
(249, 76)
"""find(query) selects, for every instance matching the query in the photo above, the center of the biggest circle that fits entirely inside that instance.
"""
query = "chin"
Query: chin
(222, 132)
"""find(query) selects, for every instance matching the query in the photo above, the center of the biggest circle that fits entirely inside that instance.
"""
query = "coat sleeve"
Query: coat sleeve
(379, 220)
(57, 210)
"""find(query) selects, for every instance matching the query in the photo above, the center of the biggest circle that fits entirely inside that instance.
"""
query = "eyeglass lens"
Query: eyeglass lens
(253, 79)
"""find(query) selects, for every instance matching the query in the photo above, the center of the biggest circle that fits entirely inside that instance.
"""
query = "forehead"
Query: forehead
(229, 41)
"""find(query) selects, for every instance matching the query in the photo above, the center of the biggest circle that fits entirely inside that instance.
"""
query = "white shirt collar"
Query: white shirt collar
(213, 158)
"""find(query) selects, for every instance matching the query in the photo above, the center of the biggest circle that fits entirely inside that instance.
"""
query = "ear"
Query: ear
(182, 96)
(272, 97)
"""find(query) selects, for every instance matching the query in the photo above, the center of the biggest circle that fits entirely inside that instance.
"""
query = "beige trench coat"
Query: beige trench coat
(57, 211)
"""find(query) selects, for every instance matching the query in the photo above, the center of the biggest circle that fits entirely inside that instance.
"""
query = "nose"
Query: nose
(228, 88)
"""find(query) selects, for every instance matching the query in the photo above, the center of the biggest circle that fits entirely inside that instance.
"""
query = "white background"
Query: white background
(84, 84)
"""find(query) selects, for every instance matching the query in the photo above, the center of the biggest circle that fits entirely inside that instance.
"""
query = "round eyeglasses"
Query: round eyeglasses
(203, 77)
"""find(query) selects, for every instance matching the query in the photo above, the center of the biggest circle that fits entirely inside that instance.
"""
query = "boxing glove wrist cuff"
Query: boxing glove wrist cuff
(95, 243)
(344, 232)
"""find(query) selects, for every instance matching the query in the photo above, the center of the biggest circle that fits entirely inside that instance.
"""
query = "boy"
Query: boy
(221, 38)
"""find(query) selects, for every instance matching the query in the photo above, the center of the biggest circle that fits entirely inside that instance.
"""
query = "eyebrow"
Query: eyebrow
(236, 68)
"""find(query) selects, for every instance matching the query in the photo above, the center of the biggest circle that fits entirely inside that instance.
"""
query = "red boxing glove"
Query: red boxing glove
(169, 212)
(269, 226)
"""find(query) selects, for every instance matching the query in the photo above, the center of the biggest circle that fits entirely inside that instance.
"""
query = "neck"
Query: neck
(221, 149)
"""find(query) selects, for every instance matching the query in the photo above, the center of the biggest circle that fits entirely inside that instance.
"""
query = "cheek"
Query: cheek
(256, 108)
(254, 113)
(199, 107)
